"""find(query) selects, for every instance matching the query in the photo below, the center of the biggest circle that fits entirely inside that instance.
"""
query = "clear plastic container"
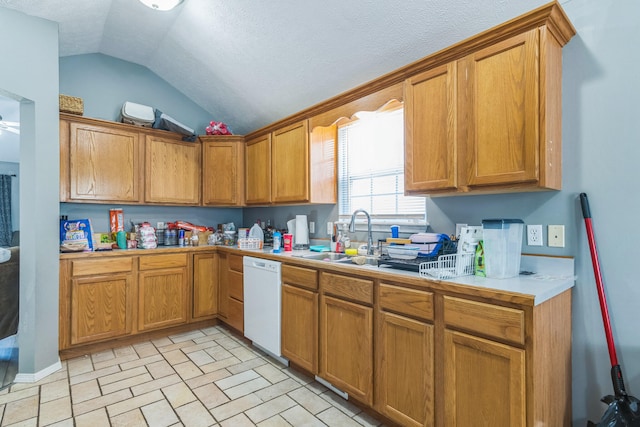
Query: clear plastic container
(502, 240)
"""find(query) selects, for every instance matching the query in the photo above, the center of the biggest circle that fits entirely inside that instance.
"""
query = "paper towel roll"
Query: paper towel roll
(301, 236)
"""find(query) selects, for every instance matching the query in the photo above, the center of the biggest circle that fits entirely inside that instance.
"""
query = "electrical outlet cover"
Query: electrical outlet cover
(534, 235)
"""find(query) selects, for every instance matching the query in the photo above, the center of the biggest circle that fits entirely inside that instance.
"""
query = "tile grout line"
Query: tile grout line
(273, 374)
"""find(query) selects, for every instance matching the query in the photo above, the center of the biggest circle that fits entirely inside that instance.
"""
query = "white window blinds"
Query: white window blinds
(371, 169)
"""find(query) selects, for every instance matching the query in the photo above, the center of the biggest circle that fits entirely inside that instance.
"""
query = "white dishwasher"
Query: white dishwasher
(263, 304)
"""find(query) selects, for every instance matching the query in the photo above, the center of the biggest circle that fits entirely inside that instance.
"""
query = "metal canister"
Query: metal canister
(170, 237)
(181, 237)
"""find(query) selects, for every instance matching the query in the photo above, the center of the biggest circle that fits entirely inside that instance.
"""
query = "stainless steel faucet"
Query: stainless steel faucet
(352, 228)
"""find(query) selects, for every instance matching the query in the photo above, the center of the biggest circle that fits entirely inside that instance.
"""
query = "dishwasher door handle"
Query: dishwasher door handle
(259, 264)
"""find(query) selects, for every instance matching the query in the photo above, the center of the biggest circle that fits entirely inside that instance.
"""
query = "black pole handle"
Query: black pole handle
(618, 382)
(586, 212)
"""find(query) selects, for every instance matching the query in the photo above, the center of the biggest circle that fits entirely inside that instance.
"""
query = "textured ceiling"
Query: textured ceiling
(253, 62)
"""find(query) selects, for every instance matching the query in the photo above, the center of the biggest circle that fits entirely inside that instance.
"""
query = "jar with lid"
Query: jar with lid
(195, 240)
(229, 238)
(218, 236)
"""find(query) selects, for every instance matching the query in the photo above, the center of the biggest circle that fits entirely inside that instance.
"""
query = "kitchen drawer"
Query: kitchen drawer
(235, 318)
(152, 262)
(410, 302)
(503, 323)
(299, 276)
(236, 289)
(348, 287)
(101, 266)
(235, 262)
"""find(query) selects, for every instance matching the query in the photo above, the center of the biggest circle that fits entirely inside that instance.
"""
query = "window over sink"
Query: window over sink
(371, 168)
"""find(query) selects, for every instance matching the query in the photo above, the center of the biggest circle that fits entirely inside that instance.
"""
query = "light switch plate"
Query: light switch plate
(329, 228)
(312, 227)
(556, 236)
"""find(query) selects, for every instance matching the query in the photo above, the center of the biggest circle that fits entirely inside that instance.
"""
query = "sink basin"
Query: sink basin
(324, 256)
(362, 260)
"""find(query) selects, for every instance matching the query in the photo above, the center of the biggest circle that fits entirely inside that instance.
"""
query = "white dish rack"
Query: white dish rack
(448, 266)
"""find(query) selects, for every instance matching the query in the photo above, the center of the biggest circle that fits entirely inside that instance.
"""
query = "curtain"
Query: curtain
(5, 210)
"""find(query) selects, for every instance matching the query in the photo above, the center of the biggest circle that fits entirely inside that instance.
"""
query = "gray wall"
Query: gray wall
(104, 83)
(7, 168)
(601, 132)
(29, 74)
(99, 214)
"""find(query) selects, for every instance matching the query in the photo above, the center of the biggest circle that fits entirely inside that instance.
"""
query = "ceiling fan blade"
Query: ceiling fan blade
(7, 123)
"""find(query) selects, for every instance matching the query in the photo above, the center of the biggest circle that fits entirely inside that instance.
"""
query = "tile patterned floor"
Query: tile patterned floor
(206, 377)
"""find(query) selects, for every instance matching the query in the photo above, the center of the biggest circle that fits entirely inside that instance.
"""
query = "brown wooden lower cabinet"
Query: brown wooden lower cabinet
(405, 356)
(346, 346)
(96, 300)
(405, 371)
(441, 358)
(162, 291)
(300, 316)
(100, 307)
(205, 285)
(231, 306)
(346, 334)
(103, 297)
(484, 382)
(300, 327)
(223, 286)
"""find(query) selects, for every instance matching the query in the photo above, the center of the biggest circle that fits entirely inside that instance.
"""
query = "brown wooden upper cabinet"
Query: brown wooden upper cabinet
(258, 170)
(172, 173)
(290, 165)
(489, 121)
(100, 163)
(110, 162)
(223, 170)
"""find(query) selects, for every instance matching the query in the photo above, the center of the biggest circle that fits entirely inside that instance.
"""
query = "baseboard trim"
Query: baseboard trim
(32, 378)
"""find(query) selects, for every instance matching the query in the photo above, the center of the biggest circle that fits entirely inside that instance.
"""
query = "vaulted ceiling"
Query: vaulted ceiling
(253, 62)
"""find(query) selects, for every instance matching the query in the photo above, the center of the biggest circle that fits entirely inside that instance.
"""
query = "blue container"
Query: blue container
(277, 242)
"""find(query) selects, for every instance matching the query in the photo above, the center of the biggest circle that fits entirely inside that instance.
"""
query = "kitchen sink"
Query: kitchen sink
(324, 256)
(342, 258)
(362, 260)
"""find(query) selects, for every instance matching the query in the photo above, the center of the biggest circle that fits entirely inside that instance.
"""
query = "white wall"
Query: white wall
(31, 77)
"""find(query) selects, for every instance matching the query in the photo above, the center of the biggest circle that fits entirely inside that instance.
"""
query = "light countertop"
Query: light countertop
(551, 275)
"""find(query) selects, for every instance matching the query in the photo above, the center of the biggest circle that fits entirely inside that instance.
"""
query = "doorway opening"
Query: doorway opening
(9, 237)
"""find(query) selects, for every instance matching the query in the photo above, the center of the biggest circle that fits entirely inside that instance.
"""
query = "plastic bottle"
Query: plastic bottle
(277, 239)
(256, 232)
